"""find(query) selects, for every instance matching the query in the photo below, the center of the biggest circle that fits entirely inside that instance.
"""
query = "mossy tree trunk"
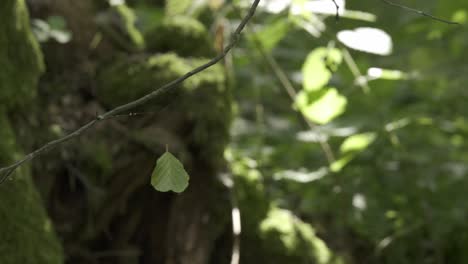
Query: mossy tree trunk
(26, 233)
(98, 190)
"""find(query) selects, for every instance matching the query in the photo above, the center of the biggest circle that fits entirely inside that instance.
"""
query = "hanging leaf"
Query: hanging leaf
(318, 67)
(357, 142)
(370, 40)
(385, 74)
(274, 6)
(322, 109)
(351, 147)
(169, 174)
(340, 163)
(325, 7)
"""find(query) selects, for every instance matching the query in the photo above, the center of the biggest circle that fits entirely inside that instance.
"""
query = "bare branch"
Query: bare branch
(7, 171)
(419, 12)
(337, 16)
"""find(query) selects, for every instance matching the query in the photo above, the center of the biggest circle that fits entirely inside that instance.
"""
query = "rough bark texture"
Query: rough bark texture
(26, 233)
(99, 191)
(97, 188)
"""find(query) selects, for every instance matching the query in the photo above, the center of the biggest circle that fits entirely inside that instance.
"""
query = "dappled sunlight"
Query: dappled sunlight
(242, 132)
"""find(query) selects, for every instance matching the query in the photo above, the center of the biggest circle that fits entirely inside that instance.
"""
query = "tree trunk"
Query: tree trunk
(98, 190)
(26, 233)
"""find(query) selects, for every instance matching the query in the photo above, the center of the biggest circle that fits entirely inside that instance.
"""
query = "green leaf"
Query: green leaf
(169, 174)
(366, 39)
(323, 109)
(357, 142)
(318, 67)
(350, 148)
(339, 164)
(385, 74)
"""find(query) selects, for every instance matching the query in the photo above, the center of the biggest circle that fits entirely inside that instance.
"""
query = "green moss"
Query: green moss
(183, 35)
(177, 7)
(202, 100)
(291, 239)
(26, 233)
(271, 234)
(119, 24)
(128, 79)
(18, 50)
(129, 20)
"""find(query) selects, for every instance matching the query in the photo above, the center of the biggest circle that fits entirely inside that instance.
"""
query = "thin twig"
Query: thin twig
(355, 70)
(120, 109)
(288, 86)
(290, 90)
(337, 17)
(419, 12)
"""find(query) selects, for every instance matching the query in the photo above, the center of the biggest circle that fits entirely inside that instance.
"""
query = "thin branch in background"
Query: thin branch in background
(288, 86)
(290, 90)
(337, 16)
(7, 171)
(7, 174)
(355, 70)
(419, 12)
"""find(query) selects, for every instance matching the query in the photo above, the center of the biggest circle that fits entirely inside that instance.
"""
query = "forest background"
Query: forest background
(334, 132)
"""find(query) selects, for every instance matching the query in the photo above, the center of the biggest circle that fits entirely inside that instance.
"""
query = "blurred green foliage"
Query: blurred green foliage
(396, 124)
(349, 143)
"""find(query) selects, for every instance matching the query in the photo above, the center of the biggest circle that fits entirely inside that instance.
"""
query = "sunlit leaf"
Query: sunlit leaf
(371, 40)
(339, 164)
(350, 147)
(326, 7)
(397, 124)
(325, 108)
(317, 67)
(61, 36)
(169, 174)
(41, 30)
(357, 142)
(386, 74)
(359, 201)
(301, 176)
(274, 6)
(359, 15)
(116, 2)
(460, 16)
(54, 28)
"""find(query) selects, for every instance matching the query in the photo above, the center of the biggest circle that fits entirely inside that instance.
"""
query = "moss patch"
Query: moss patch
(202, 100)
(183, 35)
(270, 234)
(177, 7)
(289, 238)
(26, 233)
(119, 23)
(20, 58)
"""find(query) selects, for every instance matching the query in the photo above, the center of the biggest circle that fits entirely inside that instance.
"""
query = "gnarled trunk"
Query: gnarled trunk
(26, 233)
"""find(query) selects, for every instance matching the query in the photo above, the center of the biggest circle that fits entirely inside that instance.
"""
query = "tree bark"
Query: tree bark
(26, 233)
(98, 192)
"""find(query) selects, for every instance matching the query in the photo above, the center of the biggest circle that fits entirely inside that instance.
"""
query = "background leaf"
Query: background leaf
(366, 39)
(328, 106)
(317, 67)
